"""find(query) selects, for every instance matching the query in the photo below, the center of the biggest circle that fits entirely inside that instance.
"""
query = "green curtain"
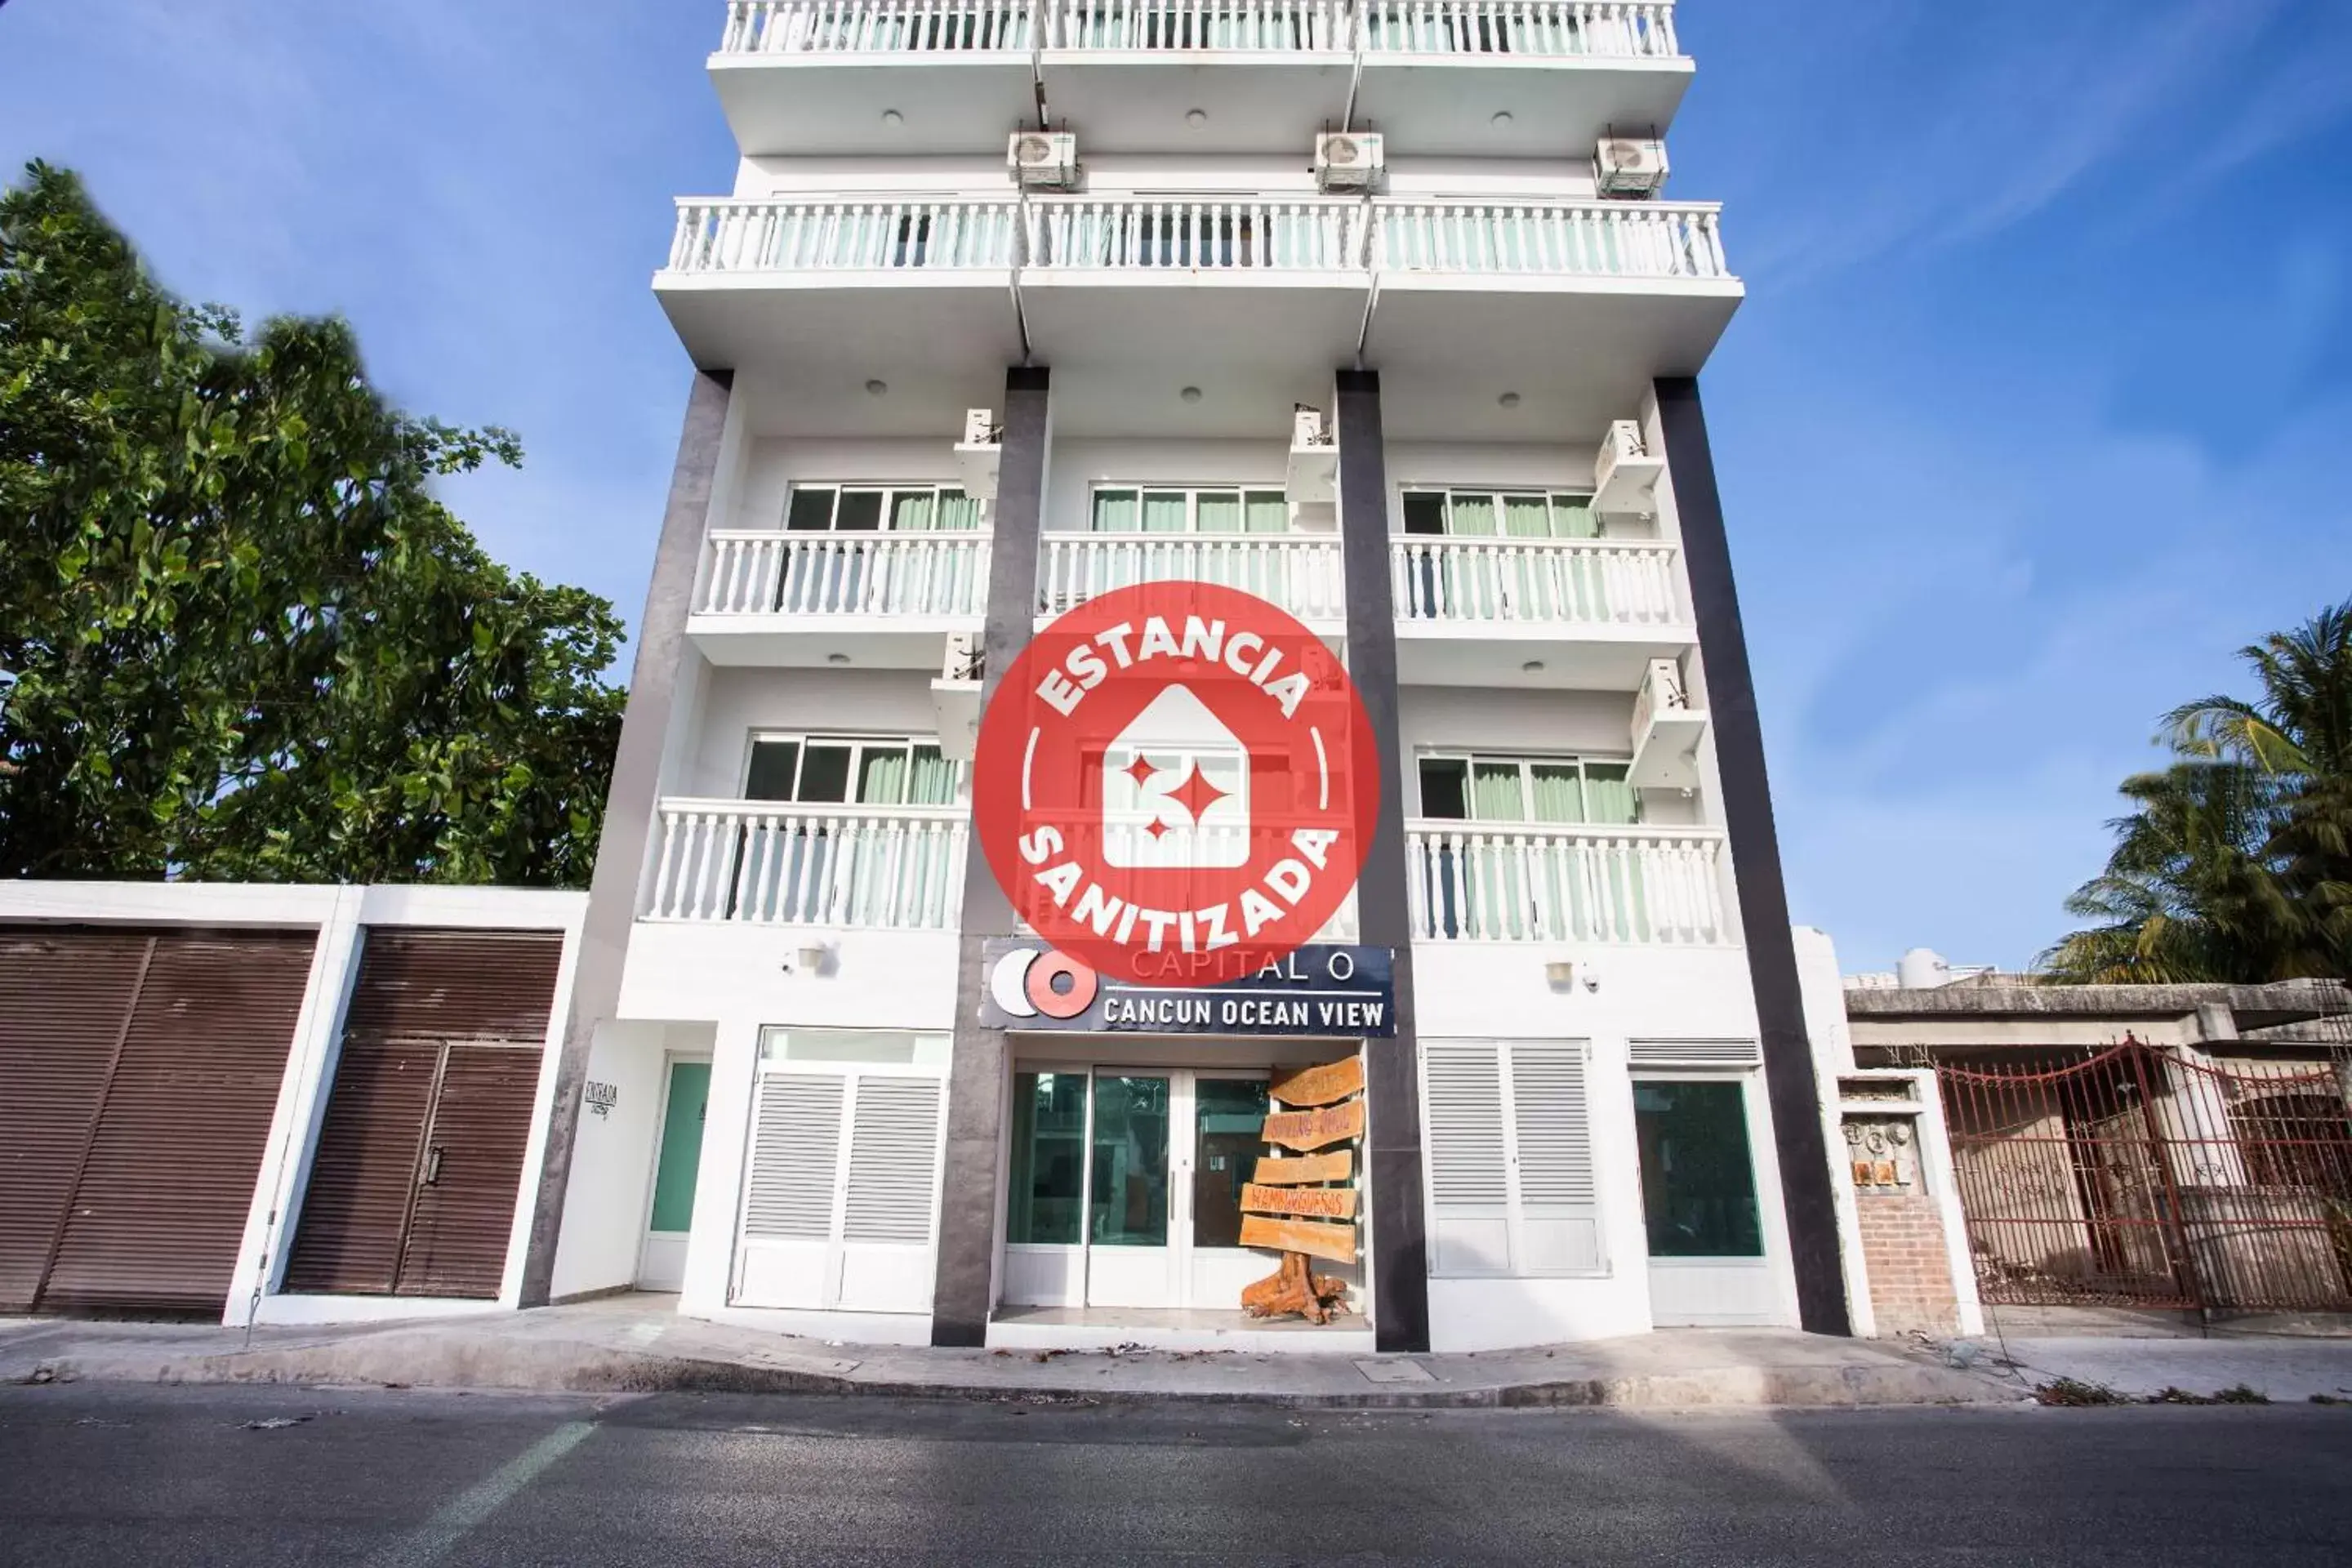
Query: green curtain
(1526, 517)
(1163, 511)
(1473, 517)
(1115, 511)
(1571, 517)
(958, 512)
(1559, 793)
(912, 512)
(1268, 512)
(932, 781)
(1220, 512)
(882, 778)
(1609, 796)
(1495, 795)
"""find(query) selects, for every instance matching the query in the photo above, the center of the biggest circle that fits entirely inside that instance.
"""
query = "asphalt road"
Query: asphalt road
(133, 1476)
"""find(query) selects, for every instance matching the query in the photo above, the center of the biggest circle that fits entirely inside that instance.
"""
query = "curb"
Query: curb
(556, 1366)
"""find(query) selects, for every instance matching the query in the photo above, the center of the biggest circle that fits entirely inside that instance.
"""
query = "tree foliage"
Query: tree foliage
(2235, 863)
(251, 643)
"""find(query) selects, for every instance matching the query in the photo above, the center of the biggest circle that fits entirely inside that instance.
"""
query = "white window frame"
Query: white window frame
(1526, 762)
(858, 745)
(1551, 496)
(889, 491)
(1193, 494)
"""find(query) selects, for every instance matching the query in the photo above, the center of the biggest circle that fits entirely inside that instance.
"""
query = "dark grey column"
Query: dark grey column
(1788, 1079)
(1392, 1076)
(964, 1288)
(629, 807)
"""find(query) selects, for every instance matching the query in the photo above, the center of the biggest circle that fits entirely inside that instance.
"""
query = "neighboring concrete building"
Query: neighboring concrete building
(1186, 329)
(274, 1104)
(2181, 1148)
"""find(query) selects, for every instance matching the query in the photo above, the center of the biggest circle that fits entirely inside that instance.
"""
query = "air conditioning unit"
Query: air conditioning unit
(976, 454)
(955, 697)
(1348, 160)
(1043, 159)
(1630, 166)
(1666, 731)
(1313, 476)
(1624, 476)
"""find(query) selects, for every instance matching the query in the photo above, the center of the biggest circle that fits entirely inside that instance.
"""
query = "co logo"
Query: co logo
(1027, 982)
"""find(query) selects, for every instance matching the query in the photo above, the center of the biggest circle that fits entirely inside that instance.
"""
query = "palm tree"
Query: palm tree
(2236, 862)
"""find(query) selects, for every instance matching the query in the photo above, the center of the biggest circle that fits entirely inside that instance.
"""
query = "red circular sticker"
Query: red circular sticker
(1176, 783)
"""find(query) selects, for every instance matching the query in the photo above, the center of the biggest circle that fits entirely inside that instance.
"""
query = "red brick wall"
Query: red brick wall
(1910, 1276)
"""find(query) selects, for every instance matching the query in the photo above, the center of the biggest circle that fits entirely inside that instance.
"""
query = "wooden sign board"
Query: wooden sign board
(1314, 1129)
(1306, 1168)
(1323, 1085)
(1336, 1242)
(1316, 1203)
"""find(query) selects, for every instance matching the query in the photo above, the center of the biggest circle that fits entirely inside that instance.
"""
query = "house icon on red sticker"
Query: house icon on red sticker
(1176, 786)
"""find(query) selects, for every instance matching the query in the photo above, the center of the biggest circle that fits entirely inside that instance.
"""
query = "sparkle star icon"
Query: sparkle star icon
(1196, 793)
(1141, 771)
(1155, 827)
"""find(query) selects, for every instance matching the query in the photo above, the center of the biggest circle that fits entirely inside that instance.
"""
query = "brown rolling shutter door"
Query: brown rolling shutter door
(65, 999)
(383, 1212)
(473, 1172)
(169, 1180)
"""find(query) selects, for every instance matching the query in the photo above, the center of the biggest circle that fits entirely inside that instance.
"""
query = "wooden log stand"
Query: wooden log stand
(1293, 1288)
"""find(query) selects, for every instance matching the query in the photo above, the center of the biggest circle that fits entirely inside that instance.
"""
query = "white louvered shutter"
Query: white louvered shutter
(1469, 1177)
(795, 1155)
(1551, 1125)
(893, 1160)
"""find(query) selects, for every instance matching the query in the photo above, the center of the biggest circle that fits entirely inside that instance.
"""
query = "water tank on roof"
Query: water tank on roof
(1923, 969)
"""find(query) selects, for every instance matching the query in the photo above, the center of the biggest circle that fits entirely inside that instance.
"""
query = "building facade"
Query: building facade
(1376, 311)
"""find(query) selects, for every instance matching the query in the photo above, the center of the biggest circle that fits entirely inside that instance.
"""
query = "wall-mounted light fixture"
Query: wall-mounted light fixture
(1563, 973)
(813, 958)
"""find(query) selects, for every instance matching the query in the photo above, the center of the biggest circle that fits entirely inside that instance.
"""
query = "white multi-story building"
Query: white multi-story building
(1372, 308)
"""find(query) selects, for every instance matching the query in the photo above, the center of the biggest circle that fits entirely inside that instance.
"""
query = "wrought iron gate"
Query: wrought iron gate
(2141, 1176)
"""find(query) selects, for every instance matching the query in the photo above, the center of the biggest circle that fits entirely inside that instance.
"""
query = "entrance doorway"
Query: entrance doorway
(1698, 1138)
(1125, 1187)
(677, 1158)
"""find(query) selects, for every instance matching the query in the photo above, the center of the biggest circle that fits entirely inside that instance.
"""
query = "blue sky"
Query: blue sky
(2040, 406)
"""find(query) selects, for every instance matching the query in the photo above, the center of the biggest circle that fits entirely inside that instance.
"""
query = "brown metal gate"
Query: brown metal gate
(139, 1072)
(418, 1167)
(2145, 1176)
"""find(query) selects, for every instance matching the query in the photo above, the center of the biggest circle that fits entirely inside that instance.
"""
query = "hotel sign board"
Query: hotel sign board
(1316, 992)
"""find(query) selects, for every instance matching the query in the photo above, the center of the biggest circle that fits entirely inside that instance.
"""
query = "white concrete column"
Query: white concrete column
(718, 1183)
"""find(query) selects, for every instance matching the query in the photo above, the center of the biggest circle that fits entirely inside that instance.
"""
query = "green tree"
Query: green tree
(2235, 863)
(251, 643)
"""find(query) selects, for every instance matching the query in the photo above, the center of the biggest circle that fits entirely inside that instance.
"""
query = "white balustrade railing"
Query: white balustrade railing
(770, 573)
(876, 27)
(1608, 239)
(1628, 30)
(844, 236)
(1304, 234)
(1471, 881)
(757, 862)
(1300, 573)
(1083, 233)
(1560, 582)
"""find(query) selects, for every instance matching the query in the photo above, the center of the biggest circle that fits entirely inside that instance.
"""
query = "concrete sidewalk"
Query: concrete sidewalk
(639, 1344)
(2285, 1369)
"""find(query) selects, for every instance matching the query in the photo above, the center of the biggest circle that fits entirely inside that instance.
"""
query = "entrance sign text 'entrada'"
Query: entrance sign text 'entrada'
(1317, 991)
(1175, 784)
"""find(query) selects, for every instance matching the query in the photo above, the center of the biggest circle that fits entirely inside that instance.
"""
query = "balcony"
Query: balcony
(1301, 573)
(883, 601)
(1574, 306)
(1584, 612)
(1506, 883)
(803, 76)
(838, 867)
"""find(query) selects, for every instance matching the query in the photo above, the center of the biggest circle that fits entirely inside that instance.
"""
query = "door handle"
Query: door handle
(432, 1167)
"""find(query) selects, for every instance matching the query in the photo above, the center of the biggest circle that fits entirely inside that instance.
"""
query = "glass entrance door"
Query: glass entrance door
(1699, 1208)
(1151, 1214)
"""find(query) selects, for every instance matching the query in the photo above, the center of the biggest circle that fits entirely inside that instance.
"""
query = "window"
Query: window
(1488, 514)
(874, 509)
(1152, 509)
(832, 770)
(1488, 788)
